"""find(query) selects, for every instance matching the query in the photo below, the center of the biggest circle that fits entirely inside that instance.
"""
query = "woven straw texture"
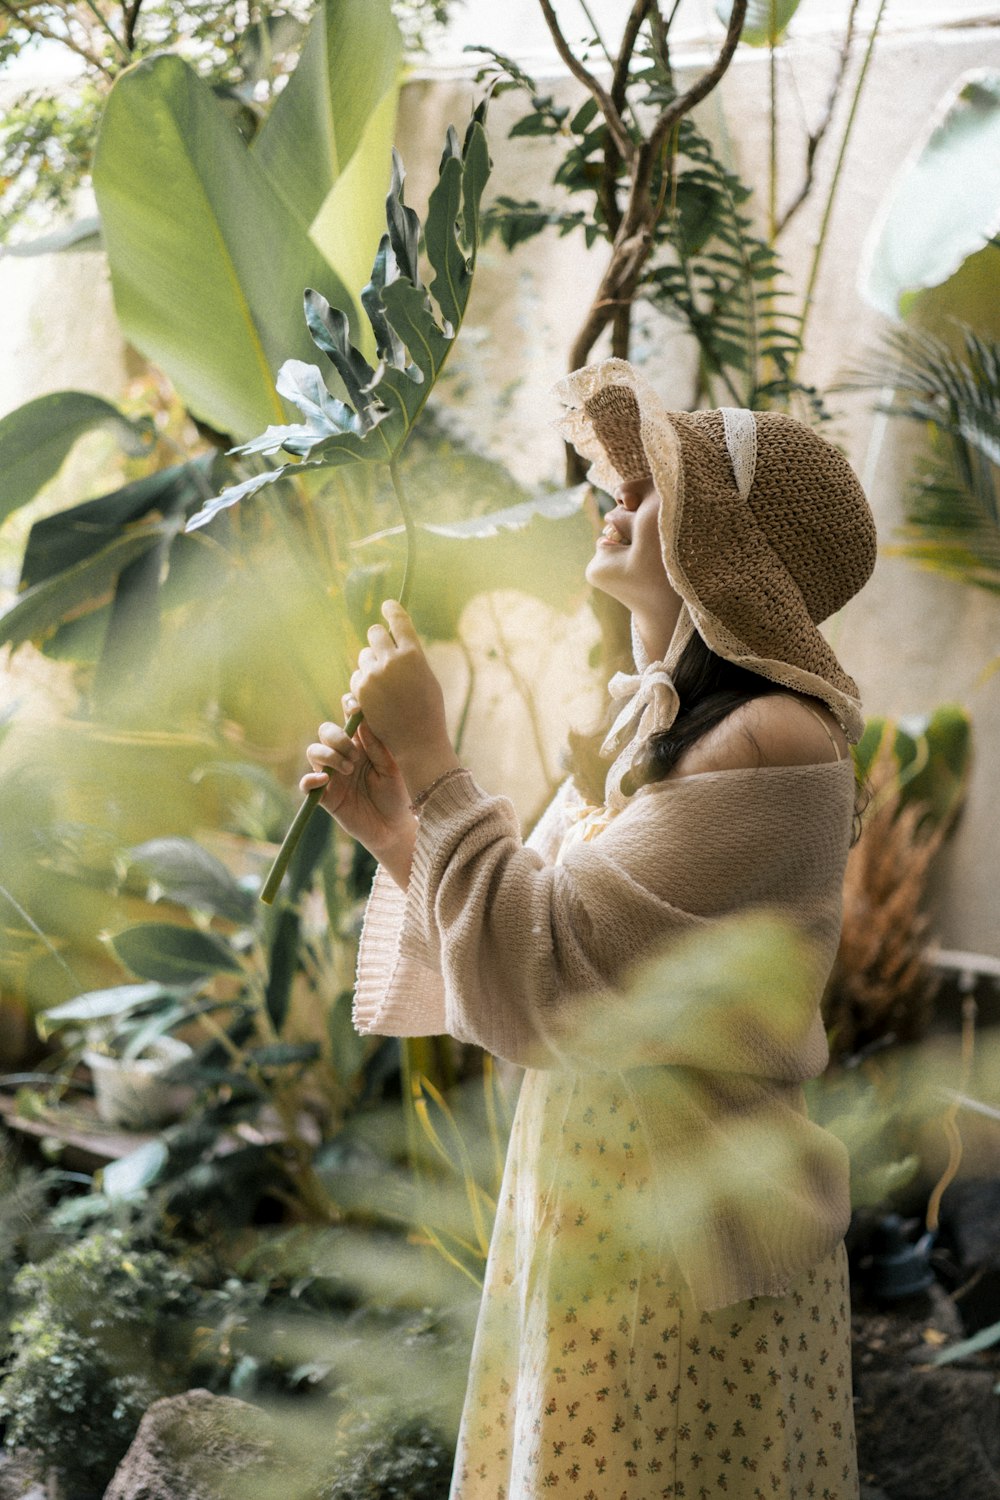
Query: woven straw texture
(757, 574)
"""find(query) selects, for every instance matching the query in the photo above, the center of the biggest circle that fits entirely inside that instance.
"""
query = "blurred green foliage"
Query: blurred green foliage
(94, 1343)
(710, 270)
(245, 56)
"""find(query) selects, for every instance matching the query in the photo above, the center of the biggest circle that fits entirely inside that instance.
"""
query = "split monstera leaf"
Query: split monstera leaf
(413, 339)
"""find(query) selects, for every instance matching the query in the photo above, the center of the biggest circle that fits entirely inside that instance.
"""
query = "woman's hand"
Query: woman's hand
(402, 700)
(365, 791)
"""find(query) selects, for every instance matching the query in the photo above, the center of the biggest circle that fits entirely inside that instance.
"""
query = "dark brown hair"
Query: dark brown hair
(709, 688)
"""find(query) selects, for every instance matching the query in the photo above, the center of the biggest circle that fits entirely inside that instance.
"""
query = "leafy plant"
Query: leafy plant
(232, 989)
(388, 1458)
(47, 143)
(95, 1343)
(454, 1210)
(707, 268)
(882, 986)
(724, 282)
(953, 507)
(412, 347)
(384, 404)
(942, 206)
(197, 292)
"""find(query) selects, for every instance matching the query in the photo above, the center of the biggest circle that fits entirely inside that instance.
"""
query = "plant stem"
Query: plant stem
(277, 871)
(828, 210)
(25, 917)
(772, 193)
(114, 37)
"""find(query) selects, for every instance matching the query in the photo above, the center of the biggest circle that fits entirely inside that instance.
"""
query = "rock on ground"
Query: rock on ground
(931, 1434)
(190, 1447)
(925, 1432)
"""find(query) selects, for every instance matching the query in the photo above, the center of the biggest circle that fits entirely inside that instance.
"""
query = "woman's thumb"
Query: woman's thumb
(380, 757)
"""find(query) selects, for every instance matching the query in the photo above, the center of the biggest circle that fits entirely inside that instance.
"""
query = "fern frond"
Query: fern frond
(953, 502)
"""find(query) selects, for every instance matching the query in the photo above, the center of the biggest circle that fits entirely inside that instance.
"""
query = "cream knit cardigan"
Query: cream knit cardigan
(496, 944)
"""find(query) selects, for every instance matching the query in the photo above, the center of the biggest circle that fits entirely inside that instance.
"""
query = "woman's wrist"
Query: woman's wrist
(421, 767)
(396, 854)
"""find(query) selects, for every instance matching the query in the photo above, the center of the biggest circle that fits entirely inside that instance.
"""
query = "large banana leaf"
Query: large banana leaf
(37, 437)
(39, 609)
(347, 71)
(945, 202)
(537, 547)
(766, 21)
(384, 403)
(205, 257)
(349, 223)
(74, 560)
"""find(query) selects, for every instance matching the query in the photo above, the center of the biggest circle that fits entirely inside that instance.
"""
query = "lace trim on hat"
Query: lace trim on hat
(662, 448)
(576, 427)
(741, 442)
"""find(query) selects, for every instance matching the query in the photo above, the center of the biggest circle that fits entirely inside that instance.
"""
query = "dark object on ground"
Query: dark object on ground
(970, 1232)
(408, 1462)
(189, 1446)
(900, 1267)
(924, 1432)
(931, 1434)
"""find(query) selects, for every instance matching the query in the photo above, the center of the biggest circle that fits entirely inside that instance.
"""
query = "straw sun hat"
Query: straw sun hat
(764, 527)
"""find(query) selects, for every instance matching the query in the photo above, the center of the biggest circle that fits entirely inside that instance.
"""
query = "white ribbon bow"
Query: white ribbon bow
(651, 706)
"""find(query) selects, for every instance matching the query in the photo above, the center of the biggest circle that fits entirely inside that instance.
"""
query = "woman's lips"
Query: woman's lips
(611, 536)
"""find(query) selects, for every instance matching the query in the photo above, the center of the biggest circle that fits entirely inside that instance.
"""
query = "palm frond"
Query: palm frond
(724, 281)
(953, 500)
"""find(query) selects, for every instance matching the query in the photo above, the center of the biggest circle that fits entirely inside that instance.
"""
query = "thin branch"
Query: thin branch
(807, 300)
(615, 123)
(686, 102)
(659, 30)
(670, 19)
(131, 16)
(630, 36)
(596, 30)
(815, 137)
(103, 22)
(39, 28)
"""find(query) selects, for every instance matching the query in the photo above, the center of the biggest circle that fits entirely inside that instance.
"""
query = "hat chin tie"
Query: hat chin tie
(649, 698)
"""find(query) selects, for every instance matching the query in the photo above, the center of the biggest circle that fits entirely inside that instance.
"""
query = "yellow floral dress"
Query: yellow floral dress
(594, 1376)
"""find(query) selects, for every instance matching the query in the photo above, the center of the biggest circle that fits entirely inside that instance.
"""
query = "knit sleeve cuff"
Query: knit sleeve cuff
(396, 993)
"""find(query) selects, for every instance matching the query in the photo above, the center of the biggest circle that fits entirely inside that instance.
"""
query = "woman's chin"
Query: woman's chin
(602, 573)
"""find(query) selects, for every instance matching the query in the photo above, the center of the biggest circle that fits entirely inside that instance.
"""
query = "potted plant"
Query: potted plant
(133, 1087)
(124, 1040)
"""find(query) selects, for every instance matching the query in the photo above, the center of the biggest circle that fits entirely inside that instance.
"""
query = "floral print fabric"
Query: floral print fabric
(593, 1374)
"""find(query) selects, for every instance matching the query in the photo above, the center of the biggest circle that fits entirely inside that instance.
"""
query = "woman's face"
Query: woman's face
(628, 562)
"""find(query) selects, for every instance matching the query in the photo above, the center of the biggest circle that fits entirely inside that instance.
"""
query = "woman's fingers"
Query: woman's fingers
(320, 755)
(379, 639)
(376, 752)
(400, 624)
(336, 737)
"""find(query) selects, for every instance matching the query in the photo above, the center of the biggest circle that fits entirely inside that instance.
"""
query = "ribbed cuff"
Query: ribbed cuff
(396, 993)
(448, 803)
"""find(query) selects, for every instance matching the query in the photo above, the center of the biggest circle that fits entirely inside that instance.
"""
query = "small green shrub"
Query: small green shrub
(101, 1333)
(406, 1461)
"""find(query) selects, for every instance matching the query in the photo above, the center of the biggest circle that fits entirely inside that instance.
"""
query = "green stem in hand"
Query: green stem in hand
(277, 871)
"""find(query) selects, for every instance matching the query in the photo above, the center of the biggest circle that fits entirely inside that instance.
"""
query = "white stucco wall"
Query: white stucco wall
(912, 640)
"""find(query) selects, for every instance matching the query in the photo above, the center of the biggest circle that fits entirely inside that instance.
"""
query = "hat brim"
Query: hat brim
(767, 630)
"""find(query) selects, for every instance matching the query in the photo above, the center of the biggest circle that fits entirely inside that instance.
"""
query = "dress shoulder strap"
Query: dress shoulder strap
(825, 725)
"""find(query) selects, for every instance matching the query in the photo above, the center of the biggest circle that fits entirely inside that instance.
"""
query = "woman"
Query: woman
(665, 1309)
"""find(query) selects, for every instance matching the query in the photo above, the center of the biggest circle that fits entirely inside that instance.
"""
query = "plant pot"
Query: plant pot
(133, 1092)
